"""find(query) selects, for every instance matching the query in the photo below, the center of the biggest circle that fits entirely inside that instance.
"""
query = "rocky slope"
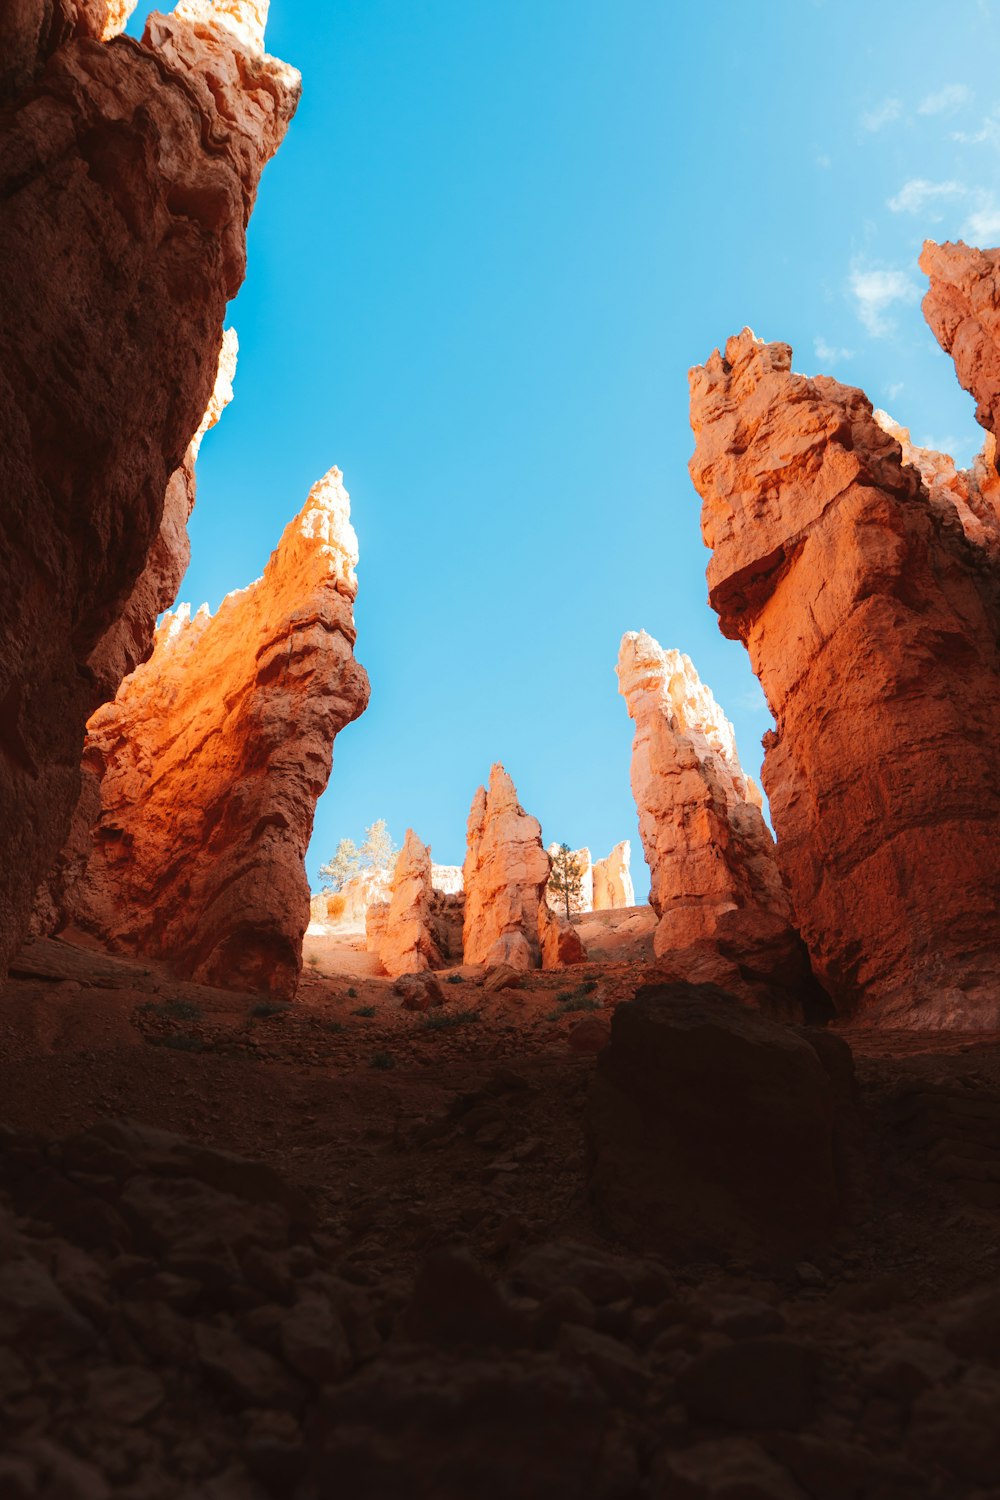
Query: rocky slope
(133, 169)
(208, 764)
(874, 626)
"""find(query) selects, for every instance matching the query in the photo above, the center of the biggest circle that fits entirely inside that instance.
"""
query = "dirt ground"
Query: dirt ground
(460, 1128)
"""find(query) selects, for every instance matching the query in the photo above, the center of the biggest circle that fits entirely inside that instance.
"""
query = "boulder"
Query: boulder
(711, 1131)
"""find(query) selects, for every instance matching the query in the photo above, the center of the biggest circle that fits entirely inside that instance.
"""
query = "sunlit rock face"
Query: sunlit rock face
(506, 872)
(584, 900)
(962, 306)
(706, 843)
(402, 934)
(873, 626)
(128, 172)
(613, 879)
(211, 759)
(973, 495)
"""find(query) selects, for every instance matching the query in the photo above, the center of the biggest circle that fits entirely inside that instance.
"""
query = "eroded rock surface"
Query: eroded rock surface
(706, 843)
(963, 310)
(505, 875)
(613, 879)
(873, 624)
(404, 938)
(127, 175)
(209, 763)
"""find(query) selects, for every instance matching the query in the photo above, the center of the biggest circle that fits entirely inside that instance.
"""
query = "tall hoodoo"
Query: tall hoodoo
(613, 879)
(405, 941)
(133, 168)
(209, 763)
(873, 626)
(505, 873)
(963, 310)
(706, 843)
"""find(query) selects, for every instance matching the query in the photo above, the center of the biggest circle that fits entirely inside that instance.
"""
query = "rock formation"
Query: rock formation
(873, 625)
(402, 934)
(558, 940)
(585, 900)
(505, 874)
(613, 879)
(712, 1130)
(706, 843)
(963, 310)
(127, 174)
(209, 762)
(971, 494)
(447, 879)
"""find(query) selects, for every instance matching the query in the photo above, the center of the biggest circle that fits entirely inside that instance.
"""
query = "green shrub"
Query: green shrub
(383, 1061)
(265, 1008)
(365, 1010)
(444, 1020)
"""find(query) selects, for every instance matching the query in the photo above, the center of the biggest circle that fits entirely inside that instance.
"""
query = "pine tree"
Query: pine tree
(378, 852)
(337, 871)
(566, 877)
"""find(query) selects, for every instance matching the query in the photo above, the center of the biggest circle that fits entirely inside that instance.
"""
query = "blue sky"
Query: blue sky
(493, 243)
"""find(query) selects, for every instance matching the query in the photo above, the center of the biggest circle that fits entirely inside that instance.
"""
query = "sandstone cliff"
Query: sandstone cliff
(963, 309)
(209, 763)
(128, 173)
(706, 843)
(403, 938)
(613, 879)
(505, 874)
(873, 625)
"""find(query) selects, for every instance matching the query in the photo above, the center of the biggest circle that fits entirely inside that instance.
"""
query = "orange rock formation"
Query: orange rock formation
(706, 843)
(132, 168)
(873, 626)
(963, 309)
(401, 932)
(505, 873)
(613, 879)
(209, 763)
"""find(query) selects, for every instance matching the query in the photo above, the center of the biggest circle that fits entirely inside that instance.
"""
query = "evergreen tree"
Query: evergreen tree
(337, 871)
(566, 877)
(378, 852)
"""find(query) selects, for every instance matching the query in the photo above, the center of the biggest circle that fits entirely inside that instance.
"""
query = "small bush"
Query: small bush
(334, 1026)
(444, 1020)
(352, 993)
(313, 961)
(588, 986)
(564, 995)
(364, 1010)
(454, 979)
(581, 1002)
(265, 1008)
(383, 1061)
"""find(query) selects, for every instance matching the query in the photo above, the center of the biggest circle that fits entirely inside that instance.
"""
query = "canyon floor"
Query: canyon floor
(441, 1154)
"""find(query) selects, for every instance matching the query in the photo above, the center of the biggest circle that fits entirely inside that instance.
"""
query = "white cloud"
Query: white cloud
(894, 390)
(945, 101)
(915, 195)
(824, 162)
(982, 227)
(987, 134)
(887, 111)
(829, 354)
(876, 290)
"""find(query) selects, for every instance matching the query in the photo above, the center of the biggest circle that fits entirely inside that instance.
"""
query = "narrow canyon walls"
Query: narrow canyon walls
(128, 172)
(505, 875)
(873, 623)
(207, 766)
(963, 310)
(706, 843)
